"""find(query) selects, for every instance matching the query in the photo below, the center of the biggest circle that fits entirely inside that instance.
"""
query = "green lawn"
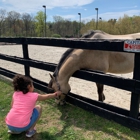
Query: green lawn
(64, 122)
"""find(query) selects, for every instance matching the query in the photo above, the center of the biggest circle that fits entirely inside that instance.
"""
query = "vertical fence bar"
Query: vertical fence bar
(135, 98)
(25, 56)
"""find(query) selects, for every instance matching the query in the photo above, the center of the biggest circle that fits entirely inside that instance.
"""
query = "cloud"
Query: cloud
(117, 15)
(34, 5)
(113, 15)
(126, 7)
(69, 17)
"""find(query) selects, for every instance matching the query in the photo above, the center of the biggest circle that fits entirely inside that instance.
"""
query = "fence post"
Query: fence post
(25, 56)
(135, 98)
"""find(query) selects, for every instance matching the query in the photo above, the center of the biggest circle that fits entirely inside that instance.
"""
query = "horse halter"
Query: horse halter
(59, 88)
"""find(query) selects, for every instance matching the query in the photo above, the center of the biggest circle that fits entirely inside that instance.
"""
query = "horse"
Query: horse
(97, 60)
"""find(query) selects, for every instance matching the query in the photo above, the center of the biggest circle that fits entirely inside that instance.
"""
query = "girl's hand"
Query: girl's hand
(57, 93)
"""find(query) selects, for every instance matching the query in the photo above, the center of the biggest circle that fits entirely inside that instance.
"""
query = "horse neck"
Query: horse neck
(64, 74)
(67, 70)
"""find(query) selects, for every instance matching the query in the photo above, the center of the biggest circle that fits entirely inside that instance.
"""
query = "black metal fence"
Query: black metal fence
(125, 117)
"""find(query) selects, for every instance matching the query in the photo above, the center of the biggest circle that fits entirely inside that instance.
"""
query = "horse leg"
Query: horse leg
(100, 88)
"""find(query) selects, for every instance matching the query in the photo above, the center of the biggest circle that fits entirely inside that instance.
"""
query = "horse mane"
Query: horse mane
(90, 33)
(63, 58)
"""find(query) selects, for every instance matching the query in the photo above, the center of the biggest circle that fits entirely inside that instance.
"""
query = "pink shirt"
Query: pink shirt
(21, 111)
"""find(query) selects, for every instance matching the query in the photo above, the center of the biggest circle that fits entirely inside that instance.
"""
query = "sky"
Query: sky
(69, 9)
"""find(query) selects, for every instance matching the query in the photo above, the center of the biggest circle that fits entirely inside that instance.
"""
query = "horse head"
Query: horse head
(55, 85)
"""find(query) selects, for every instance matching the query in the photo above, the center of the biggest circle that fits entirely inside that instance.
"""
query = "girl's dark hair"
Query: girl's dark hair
(21, 82)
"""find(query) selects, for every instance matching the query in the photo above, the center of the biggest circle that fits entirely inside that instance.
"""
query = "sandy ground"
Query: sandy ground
(114, 96)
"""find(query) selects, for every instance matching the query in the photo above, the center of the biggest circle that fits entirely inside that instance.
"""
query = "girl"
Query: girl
(24, 112)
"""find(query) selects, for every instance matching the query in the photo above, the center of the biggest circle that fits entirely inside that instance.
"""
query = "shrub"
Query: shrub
(56, 36)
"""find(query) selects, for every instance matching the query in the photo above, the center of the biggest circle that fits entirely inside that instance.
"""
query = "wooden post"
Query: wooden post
(135, 98)
(26, 56)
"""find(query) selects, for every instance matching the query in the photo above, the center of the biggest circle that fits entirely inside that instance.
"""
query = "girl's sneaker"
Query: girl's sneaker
(30, 133)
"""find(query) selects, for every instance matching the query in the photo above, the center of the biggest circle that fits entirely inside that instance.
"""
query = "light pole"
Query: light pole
(97, 18)
(79, 23)
(100, 22)
(44, 6)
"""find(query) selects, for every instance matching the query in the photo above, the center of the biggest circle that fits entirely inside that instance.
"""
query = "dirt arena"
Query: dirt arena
(114, 96)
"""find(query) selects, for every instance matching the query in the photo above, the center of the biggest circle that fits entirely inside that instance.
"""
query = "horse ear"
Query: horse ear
(52, 77)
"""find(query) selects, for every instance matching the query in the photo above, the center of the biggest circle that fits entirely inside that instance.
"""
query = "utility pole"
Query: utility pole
(79, 24)
(97, 19)
(45, 20)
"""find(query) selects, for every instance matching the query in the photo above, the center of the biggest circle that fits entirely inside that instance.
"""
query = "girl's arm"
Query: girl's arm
(42, 97)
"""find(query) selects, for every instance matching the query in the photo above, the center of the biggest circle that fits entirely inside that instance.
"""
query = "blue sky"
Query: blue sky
(69, 9)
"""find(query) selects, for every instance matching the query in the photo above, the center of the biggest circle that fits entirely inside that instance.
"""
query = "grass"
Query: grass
(64, 122)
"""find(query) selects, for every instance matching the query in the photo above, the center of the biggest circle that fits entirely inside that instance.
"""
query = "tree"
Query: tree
(13, 18)
(91, 25)
(58, 25)
(2, 18)
(39, 23)
(27, 20)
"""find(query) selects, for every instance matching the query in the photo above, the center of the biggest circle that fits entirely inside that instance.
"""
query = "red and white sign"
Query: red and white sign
(132, 46)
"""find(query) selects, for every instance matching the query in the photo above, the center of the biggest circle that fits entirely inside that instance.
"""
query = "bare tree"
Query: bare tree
(13, 18)
(68, 26)
(27, 20)
(58, 25)
(2, 18)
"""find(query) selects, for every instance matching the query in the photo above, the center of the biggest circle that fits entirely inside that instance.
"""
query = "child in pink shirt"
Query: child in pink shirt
(24, 112)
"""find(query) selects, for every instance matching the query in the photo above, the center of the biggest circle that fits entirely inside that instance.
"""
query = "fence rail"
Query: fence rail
(122, 116)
